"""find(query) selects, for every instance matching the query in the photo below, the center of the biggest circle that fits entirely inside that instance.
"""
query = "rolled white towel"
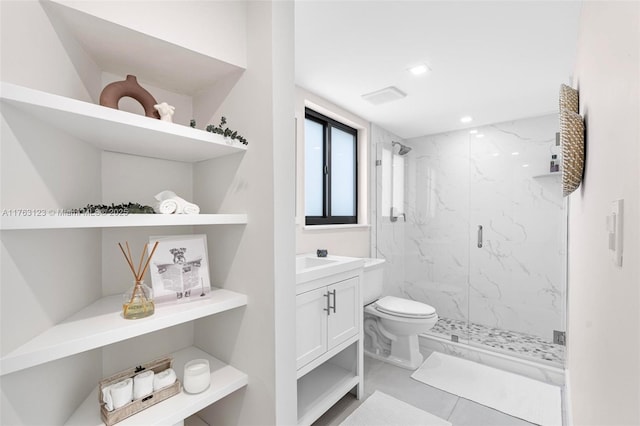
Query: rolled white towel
(166, 203)
(190, 208)
(168, 199)
(118, 394)
(163, 379)
(143, 384)
(165, 206)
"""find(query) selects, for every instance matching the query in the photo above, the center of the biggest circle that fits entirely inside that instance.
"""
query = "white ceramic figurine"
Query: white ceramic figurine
(165, 110)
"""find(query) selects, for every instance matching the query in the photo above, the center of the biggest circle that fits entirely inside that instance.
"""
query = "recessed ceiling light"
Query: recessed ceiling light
(525, 165)
(466, 119)
(479, 135)
(419, 69)
(474, 131)
(515, 153)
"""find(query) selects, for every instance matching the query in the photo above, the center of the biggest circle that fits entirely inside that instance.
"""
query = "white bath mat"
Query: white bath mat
(381, 409)
(518, 396)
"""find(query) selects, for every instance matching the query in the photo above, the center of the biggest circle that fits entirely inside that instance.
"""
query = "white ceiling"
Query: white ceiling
(495, 61)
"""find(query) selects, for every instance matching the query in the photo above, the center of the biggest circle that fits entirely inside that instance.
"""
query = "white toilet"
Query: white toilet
(392, 324)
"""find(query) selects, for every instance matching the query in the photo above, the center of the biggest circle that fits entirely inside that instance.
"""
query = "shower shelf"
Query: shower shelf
(550, 174)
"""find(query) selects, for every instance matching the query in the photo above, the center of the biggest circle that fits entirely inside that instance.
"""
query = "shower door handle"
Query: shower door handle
(479, 236)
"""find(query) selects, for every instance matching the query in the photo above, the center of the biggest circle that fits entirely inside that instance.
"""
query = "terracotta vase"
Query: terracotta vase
(113, 92)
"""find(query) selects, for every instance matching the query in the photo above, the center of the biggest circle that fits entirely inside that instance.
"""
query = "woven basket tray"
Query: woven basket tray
(119, 414)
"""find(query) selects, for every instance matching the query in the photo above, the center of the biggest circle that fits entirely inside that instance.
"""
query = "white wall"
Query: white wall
(604, 300)
(344, 240)
(257, 260)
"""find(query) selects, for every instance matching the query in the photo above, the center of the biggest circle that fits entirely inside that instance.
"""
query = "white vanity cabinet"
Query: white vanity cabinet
(326, 317)
(328, 333)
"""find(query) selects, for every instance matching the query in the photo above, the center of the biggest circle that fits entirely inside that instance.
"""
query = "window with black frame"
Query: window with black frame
(331, 172)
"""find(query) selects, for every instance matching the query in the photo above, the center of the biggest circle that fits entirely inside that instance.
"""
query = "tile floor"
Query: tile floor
(397, 382)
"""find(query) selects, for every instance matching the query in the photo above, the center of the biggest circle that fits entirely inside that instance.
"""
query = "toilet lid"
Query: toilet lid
(404, 307)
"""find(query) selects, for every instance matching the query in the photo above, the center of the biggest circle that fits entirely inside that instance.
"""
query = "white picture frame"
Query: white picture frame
(179, 268)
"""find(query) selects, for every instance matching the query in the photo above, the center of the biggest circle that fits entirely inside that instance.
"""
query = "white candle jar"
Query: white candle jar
(197, 376)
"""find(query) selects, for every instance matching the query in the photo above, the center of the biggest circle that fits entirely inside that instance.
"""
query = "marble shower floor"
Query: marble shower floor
(523, 345)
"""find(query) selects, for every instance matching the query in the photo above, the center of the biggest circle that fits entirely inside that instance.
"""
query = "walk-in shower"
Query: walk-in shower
(484, 239)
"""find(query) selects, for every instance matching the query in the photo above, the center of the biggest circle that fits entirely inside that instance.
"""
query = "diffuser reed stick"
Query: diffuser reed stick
(146, 266)
(138, 302)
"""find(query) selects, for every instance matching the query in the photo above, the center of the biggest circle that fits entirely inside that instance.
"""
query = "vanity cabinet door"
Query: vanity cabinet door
(344, 314)
(311, 325)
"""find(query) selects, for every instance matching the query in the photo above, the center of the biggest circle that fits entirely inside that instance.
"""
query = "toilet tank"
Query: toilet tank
(373, 278)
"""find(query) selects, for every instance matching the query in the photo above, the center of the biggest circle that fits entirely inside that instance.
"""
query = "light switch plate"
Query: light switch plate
(614, 231)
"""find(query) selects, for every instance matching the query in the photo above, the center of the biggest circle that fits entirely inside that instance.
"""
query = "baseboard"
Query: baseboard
(538, 371)
(567, 415)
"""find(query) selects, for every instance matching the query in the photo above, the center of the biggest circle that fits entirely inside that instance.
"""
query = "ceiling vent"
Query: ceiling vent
(383, 96)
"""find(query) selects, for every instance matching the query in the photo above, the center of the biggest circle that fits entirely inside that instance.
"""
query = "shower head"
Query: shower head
(404, 150)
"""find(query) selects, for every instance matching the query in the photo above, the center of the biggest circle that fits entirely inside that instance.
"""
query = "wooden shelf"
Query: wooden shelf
(113, 221)
(101, 324)
(322, 388)
(224, 380)
(118, 131)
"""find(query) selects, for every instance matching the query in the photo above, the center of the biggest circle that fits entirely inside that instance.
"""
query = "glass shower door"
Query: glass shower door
(437, 230)
(517, 240)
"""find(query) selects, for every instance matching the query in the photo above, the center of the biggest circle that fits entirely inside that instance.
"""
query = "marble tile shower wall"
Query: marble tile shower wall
(457, 181)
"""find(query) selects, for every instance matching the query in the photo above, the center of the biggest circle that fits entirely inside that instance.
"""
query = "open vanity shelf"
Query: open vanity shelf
(224, 380)
(101, 324)
(321, 388)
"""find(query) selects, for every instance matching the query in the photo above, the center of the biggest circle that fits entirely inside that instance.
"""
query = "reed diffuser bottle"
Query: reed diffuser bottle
(137, 302)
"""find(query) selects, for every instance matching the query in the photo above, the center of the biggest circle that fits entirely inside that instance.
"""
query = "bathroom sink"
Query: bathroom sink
(306, 261)
(310, 267)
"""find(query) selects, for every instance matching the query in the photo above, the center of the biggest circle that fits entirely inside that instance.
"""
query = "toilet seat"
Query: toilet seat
(404, 308)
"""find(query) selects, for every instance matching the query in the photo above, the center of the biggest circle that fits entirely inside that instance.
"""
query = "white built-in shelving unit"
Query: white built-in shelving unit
(101, 324)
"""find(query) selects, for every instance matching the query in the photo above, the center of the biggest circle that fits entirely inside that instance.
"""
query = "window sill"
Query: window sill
(335, 227)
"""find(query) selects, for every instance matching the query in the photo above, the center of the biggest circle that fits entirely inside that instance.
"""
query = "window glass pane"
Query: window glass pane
(313, 168)
(386, 182)
(398, 185)
(343, 173)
